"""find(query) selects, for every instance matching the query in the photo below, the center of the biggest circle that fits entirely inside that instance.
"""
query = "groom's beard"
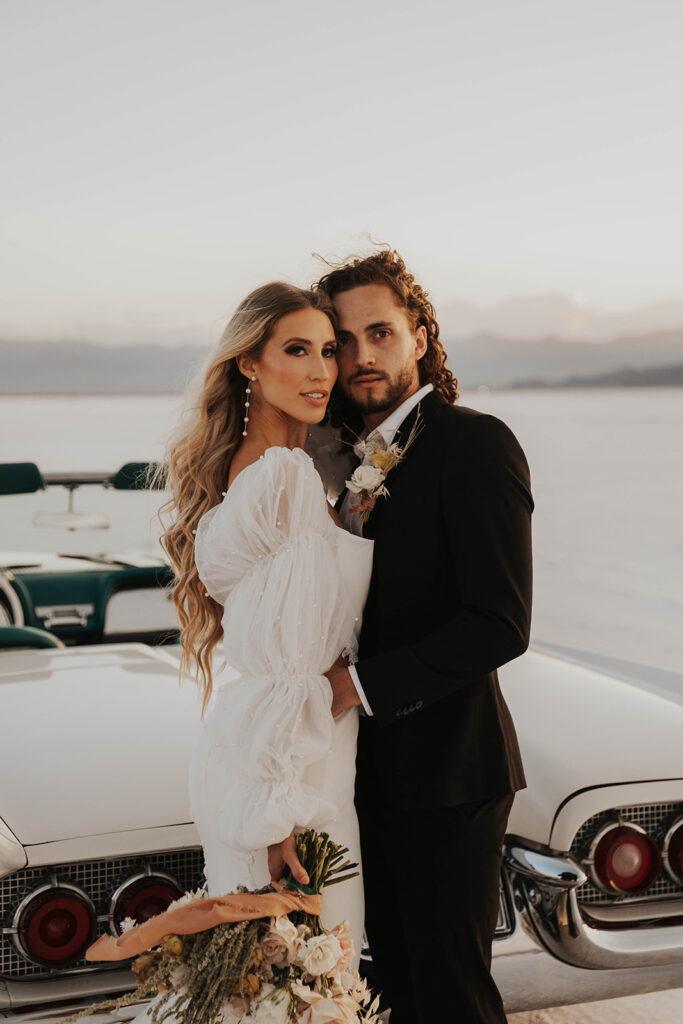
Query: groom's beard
(386, 394)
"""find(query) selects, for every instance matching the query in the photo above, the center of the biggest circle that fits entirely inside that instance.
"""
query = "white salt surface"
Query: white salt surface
(606, 473)
(653, 1008)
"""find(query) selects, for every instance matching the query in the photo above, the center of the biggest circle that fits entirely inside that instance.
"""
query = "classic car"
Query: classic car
(95, 739)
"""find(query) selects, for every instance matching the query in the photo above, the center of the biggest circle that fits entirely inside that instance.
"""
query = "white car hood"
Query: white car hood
(580, 727)
(98, 739)
(94, 739)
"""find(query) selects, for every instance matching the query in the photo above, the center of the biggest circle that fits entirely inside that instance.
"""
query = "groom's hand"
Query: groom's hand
(344, 693)
(283, 853)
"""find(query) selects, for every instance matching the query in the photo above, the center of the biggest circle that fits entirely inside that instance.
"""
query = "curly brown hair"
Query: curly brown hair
(388, 268)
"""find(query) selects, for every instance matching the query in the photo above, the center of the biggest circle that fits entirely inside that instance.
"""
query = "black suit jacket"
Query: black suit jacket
(449, 602)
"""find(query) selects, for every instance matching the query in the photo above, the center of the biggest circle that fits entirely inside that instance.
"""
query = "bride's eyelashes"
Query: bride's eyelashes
(296, 350)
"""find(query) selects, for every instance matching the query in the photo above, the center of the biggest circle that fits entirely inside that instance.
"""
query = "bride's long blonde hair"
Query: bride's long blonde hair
(197, 459)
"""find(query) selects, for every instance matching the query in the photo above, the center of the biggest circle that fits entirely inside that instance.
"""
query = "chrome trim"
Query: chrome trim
(116, 896)
(561, 870)
(550, 908)
(665, 850)
(12, 853)
(15, 607)
(589, 861)
(89, 987)
(633, 911)
(64, 614)
(54, 883)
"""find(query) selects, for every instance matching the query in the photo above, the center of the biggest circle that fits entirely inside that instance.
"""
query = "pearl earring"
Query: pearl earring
(246, 409)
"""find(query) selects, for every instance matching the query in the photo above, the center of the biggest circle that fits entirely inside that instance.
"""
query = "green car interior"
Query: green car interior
(64, 599)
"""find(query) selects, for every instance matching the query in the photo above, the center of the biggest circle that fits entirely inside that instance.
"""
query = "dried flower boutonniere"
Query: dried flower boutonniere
(379, 458)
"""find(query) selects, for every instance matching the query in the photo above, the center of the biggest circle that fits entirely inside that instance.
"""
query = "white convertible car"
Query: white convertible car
(95, 738)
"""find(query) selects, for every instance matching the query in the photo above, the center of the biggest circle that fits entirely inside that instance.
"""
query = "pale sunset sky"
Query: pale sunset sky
(160, 158)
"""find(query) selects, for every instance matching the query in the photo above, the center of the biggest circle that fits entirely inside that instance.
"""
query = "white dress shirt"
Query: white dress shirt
(351, 520)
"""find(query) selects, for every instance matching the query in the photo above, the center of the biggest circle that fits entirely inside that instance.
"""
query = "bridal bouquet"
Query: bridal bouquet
(257, 957)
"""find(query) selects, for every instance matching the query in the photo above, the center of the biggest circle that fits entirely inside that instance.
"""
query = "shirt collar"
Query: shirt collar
(390, 425)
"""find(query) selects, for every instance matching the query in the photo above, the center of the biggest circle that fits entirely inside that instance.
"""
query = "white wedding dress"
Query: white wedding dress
(271, 756)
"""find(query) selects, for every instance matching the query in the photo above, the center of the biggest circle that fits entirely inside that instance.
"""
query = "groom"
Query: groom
(449, 601)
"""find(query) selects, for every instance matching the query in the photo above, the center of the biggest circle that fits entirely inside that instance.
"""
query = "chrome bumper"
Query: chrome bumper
(544, 888)
(42, 991)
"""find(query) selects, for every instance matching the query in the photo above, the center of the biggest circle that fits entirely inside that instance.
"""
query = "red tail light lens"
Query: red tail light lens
(625, 859)
(673, 851)
(141, 897)
(55, 925)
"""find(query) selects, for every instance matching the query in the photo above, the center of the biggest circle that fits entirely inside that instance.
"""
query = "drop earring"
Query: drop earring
(246, 408)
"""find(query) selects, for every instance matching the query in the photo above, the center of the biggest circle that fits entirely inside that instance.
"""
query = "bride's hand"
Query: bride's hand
(344, 693)
(283, 853)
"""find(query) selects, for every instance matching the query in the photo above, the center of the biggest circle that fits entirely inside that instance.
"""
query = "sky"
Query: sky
(160, 158)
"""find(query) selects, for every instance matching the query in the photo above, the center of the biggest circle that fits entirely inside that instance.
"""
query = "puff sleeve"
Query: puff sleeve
(268, 553)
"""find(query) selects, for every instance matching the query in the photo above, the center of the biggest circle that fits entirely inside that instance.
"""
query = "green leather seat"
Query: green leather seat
(27, 636)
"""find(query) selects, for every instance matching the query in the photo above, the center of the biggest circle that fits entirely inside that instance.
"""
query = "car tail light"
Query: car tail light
(672, 851)
(55, 924)
(141, 897)
(624, 859)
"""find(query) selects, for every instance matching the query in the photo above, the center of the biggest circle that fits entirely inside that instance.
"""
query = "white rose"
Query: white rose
(327, 1010)
(365, 478)
(286, 928)
(323, 953)
(345, 936)
(281, 941)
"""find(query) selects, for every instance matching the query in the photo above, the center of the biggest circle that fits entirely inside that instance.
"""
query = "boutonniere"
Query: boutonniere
(379, 458)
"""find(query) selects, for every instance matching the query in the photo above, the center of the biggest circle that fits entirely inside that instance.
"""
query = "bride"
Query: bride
(262, 563)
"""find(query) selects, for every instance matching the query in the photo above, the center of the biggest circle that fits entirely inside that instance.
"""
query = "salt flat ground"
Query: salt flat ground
(606, 472)
(653, 1008)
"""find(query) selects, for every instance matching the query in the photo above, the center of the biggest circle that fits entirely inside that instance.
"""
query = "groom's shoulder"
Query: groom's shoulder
(459, 424)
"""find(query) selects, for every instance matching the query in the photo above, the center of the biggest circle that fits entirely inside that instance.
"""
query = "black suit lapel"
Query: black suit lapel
(417, 418)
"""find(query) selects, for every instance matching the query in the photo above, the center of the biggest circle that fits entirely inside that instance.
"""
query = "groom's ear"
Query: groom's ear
(420, 341)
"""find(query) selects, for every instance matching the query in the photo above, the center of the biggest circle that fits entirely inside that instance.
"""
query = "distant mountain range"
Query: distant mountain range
(78, 367)
(538, 317)
(650, 376)
(537, 341)
(505, 362)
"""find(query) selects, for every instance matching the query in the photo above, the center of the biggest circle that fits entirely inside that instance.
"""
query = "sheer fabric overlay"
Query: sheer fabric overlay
(270, 756)
(269, 553)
